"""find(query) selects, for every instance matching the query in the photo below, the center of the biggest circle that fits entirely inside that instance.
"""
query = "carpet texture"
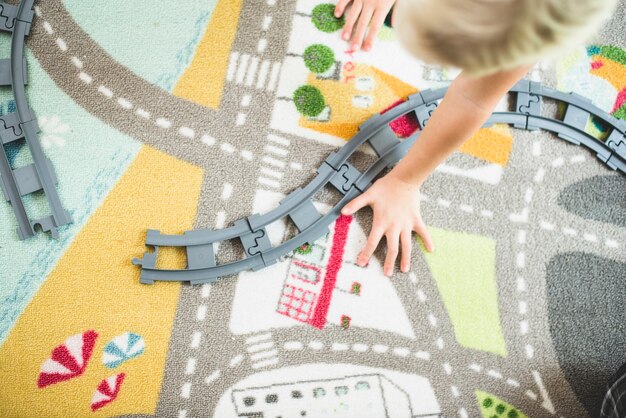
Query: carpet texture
(171, 116)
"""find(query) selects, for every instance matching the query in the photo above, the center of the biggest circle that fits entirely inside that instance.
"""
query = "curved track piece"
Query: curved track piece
(337, 172)
(22, 124)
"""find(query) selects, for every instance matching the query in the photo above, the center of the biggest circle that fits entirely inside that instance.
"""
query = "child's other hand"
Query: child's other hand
(396, 206)
(363, 13)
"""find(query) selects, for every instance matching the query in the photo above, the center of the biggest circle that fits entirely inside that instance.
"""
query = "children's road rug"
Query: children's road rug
(193, 114)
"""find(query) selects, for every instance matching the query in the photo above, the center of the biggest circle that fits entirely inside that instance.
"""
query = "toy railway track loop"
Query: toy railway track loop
(337, 172)
(22, 124)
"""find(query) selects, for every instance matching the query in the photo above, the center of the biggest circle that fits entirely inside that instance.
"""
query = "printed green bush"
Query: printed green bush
(324, 18)
(309, 100)
(318, 58)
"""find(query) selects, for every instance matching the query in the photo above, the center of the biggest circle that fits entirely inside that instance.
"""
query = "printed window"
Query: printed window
(296, 394)
(341, 390)
(362, 102)
(272, 398)
(364, 83)
(319, 392)
(296, 303)
(248, 401)
(362, 386)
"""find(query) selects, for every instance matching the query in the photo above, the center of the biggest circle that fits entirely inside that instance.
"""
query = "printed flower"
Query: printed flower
(52, 131)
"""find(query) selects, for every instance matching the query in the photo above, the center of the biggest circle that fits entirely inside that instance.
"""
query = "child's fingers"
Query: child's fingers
(392, 251)
(341, 7)
(361, 28)
(407, 245)
(421, 230)
(353, 14)
(377, 22)
(356, 204)
(393, 16)
(372, 242)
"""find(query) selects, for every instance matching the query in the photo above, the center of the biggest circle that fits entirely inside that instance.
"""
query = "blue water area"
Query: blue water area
(155, 39)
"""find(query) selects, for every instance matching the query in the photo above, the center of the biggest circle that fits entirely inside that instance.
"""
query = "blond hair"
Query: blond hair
(485, 36)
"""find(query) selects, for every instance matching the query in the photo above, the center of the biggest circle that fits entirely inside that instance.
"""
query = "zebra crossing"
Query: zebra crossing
(251, 71)
(262, 351)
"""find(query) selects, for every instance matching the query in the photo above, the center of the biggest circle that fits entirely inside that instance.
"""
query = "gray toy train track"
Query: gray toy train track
(336, 171)
(22, 124)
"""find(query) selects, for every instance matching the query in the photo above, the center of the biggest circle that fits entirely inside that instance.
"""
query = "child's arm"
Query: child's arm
(363, 13)
(394, 198)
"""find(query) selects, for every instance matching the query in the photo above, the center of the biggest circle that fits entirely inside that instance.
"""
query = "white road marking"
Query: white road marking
(432, 319)
(495, 374)
(423, 355)
(577, 159)
(163, 123)
(258, 338)
(528, 195)
(267, 20)
(532, 395)
(227, 191)
(455, 391)
(401, 351)
(260, 48)
(512, 382)
(142, 113)
(440, 343)
(254, 65)
(262, 77)
(293, 345)
(475, 367)
(547, 403)
(521, 284)
(590, 237)
(85, 77)
(265, 363)
(546, 225)
(521, 236)
(220, 219)
(268, 182)
(523, 307)
(76, 61)
(185, 390)
(536, 148)
(443, 202)
(247, 155)
(379, 348)
(521, 217)
(279, 140)
(611, 243)
(206, 290)
(339, 347)
(273, 76)
(486, 214)
(276, 150)
(201, 314)
(520, 260)
(226, 147)
(245, 100)
(207, 140)
(271, 173)
(466, 208)
(241, 68)
(195, 339)
(530, 351)
(105, 91)
(241, 119)
(273, 161)
(263, 355)
(48, 28)
(448, 368)
(186, 132)
(421, 295)
(182, 413)
(212, 377)
(232, 65)
(523, 327)
(569, 231)
(124, 103)
(260, 347)
(463, 413)
(62, 45)
(557, 162)
(359, 347)
(316, 345)
(191, 366)
(235, 360)
(296, 166)
(539, 175)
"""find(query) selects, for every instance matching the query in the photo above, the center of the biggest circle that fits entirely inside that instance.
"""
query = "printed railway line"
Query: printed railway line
(350, 182)
(22, 124)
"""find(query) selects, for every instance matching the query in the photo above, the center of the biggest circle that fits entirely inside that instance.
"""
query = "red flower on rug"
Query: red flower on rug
(107, 391)
(67, 360)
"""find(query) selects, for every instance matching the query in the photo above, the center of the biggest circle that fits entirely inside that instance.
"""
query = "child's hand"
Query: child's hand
(367, 12)
(396, 207)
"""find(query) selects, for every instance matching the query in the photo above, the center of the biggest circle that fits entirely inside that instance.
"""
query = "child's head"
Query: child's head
(484, 36)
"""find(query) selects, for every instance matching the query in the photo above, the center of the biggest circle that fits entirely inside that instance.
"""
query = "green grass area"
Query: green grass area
(463, 266)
